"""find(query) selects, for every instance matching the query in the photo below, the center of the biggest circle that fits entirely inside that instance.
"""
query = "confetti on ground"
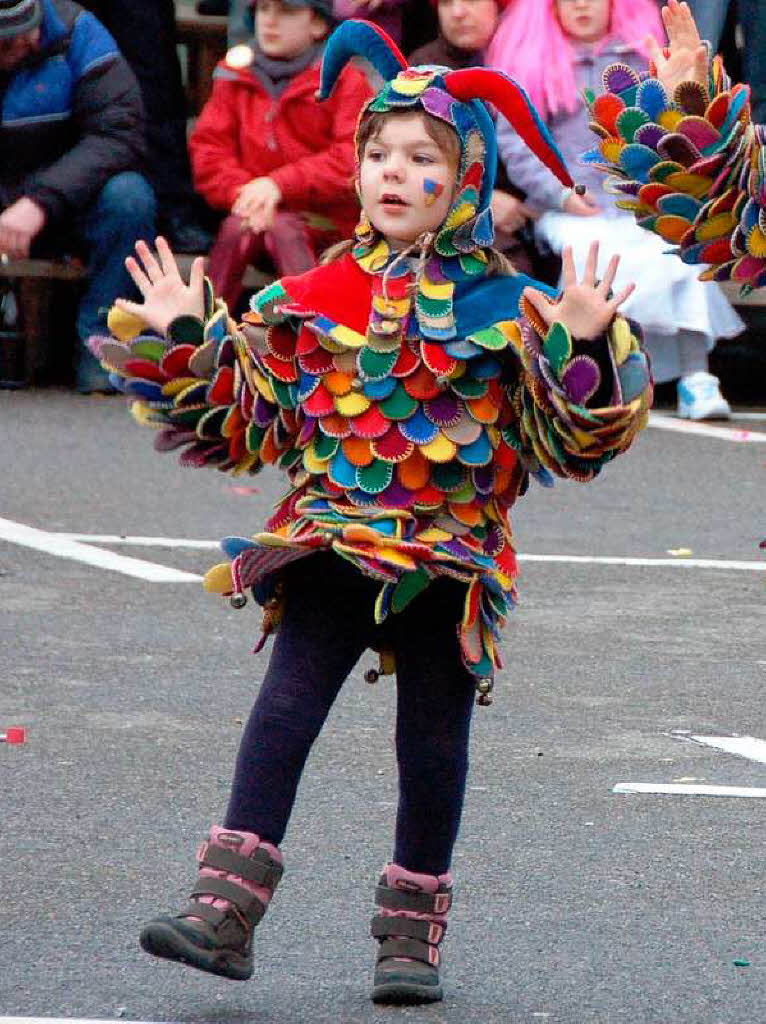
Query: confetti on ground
(14, 734)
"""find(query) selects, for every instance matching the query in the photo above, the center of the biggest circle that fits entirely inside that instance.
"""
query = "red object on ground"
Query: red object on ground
(15, 734)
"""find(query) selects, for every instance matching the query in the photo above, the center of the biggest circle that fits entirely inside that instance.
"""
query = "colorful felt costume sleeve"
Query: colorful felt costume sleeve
(225, 395)
(692, 168)
(578, 404)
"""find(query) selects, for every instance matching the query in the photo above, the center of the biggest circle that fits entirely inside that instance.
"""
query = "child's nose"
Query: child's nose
(394, 168)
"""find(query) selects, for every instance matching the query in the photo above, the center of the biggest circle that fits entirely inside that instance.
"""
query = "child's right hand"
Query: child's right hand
(165, 294)
(688, 59)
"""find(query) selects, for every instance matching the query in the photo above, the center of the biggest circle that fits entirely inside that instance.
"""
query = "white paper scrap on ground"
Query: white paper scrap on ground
(677, 789)
(745, 746)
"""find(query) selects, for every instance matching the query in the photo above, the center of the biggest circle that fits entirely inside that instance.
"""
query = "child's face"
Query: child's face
(468, 24)
(587, 21)
(283, 31)
(407, 183)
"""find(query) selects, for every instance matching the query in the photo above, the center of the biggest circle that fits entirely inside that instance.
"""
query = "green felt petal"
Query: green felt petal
(148, 349)
(376, 477)
(409, 586)
(558, 348)
(376, 365)
(490, 338)
(186, 330)
(469, 387)
(325, 447)
(399, 405)
(254, 437)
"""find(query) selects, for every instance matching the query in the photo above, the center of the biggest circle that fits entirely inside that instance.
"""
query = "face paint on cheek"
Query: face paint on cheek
(432, 190)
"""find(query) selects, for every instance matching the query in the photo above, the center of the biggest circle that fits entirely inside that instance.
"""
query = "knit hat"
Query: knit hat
(18, 16)
(323, 7)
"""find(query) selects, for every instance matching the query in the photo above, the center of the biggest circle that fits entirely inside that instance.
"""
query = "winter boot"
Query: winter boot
(409, 928)
(214, 931)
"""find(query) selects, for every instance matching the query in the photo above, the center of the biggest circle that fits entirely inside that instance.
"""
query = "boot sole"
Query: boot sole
(163, 941)
(396, 992)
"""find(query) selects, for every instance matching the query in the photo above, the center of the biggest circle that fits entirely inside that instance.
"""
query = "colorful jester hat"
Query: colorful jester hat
(458, 99)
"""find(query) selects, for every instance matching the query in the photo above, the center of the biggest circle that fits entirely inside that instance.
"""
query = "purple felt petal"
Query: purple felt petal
(619, 77)
(439, 103)
(581, 379)
(396, 496)
(494, 541)
(483, 479)
(307, 432)
(649, 135)
(263, 412)
(444, 410)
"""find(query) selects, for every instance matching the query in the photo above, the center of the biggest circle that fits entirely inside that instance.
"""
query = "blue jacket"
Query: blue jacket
(71, 117)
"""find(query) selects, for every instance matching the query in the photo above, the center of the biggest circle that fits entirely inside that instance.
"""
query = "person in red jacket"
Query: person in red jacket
(279, 163)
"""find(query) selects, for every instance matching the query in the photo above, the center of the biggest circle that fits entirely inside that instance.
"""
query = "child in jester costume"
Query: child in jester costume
(409, 387)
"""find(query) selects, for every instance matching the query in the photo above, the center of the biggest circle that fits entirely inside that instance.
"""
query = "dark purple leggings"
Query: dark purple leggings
(327, 625)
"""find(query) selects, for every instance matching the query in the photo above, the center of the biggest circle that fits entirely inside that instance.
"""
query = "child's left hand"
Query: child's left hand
(257, 203)
(687, 58)
(584, 308)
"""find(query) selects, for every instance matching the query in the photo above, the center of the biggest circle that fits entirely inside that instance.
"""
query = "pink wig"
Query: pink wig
(531, 46)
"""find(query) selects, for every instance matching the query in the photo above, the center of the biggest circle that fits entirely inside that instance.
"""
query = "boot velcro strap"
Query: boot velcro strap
(246, 902)
(413, 949)
(204, 911)
(408, 927)
(260, 868)
(422, 902)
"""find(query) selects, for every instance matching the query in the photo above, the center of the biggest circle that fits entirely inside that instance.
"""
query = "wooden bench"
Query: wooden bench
(204, 39)
(26, 347)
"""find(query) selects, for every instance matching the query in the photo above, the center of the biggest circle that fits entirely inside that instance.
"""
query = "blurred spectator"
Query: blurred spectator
(710, 16)
(73, 119)
(279, 163)
(466, 28)
(386, 13)
(413, 21)
(145, 31)
(557, 49)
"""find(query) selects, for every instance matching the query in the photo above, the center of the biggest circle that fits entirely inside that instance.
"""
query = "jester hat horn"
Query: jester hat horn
(456, 97)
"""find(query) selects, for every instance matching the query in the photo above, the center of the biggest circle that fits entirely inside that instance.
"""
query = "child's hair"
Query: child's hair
(531, 46)
(370, 126)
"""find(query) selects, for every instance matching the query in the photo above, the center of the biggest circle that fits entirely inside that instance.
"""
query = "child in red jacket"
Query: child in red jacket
(280, 164)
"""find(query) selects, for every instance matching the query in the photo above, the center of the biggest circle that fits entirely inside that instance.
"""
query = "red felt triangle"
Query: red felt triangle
(144, 369)
(421, 384)
(220, 392)
(437, 359)
(406, 364)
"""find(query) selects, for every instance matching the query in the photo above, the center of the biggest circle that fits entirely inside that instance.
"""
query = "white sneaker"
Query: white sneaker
(700, 398)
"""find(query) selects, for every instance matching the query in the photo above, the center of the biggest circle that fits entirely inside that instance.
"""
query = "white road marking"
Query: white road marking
(663, 422)
(675, 563)
(68, 1020)
(744, 746)
(140, 542)
(65, 547)
(675, 789)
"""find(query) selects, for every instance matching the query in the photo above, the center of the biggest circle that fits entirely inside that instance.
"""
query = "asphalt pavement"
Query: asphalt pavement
(573, 903)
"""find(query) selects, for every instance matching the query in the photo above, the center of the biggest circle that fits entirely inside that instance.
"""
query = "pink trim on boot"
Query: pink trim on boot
(239, 842)
(398, 877)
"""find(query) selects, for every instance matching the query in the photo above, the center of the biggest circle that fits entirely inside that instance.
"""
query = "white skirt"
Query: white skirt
(668, 298)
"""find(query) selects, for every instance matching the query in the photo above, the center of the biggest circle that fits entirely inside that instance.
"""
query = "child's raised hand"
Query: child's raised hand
(584, 308)
(165, 294)
(687, 60)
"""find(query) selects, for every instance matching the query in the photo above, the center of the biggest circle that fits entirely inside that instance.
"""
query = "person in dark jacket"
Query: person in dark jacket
(72, 139)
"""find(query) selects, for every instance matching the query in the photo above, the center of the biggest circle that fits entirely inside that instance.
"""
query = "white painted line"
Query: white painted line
(63, 547)
(755, 417)
(140, 542)
(676, 789)
(744, 746)
(664, 422)
(676, 563)
(68, 1020)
